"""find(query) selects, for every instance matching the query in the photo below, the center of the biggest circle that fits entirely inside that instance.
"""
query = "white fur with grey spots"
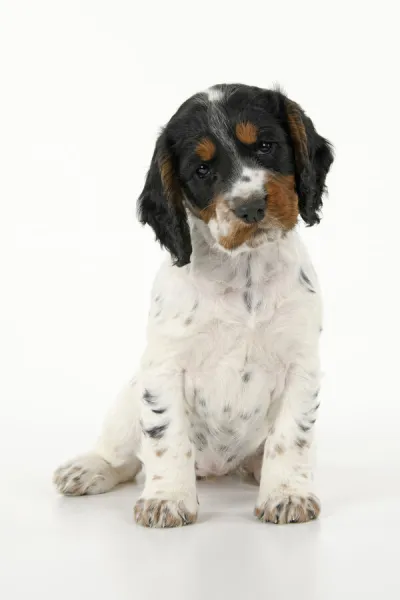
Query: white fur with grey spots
(229, 380)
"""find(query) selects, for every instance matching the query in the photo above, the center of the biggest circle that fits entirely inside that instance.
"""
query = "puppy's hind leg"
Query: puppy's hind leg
(113, 459)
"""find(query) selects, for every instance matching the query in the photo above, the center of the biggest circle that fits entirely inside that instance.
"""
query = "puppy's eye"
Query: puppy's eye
(265, 147)
(202, 171)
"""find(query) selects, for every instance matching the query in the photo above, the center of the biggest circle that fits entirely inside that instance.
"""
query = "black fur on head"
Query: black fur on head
(161, 204)
(313, 158)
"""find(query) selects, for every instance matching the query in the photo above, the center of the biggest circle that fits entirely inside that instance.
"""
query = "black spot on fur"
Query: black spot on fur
(246, 377)
(304, 276)
(247, 300)
(226, 431)
(245, 416)
(301, 443)
(149, 398)
(248, 267)
(201, 439)
(304, 428)
(158, 411)
(246, 178)
(189, 320)
(248, 273)
(156, 432)
(304, 280)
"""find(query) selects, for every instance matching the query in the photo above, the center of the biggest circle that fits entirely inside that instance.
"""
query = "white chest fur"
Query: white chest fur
(230, 325)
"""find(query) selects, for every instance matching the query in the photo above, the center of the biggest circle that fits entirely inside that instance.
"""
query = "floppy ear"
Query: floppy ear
(313, 157)
(160, 204)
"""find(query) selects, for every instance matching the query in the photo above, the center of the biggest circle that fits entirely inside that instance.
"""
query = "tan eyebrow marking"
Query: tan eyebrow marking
(246, 133)
(206, 149)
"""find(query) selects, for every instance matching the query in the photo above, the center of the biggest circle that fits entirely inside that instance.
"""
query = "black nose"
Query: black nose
(251, 212)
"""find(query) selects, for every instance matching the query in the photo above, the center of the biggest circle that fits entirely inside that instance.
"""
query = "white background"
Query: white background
(85, 87)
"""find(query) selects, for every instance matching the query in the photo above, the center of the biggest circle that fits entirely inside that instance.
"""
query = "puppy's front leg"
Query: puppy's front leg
(285, 494)
(169, 497)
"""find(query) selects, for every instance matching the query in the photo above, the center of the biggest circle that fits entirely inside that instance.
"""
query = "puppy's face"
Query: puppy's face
(243, 160)
(236, 166)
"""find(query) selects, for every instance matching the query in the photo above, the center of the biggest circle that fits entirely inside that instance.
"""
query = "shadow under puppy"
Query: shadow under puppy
(230, 376)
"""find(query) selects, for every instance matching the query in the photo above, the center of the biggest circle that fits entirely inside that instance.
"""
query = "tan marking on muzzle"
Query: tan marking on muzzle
(238, 235)
(282, 200)
(208, 213)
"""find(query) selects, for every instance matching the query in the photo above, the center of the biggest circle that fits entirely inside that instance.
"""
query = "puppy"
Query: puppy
(230, 377)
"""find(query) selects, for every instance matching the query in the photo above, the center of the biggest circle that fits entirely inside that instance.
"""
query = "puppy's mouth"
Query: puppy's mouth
(240, 234)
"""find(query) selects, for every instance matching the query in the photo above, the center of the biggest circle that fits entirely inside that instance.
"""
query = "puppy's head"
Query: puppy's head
(242, 160)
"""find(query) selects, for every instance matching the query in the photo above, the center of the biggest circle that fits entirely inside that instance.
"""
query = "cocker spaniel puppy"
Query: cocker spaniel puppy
(230, 376)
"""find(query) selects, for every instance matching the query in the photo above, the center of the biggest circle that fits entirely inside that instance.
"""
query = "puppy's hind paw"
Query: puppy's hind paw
(88, 474)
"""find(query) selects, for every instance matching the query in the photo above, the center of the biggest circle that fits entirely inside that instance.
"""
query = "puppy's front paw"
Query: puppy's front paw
(294, 508)
(158, 512)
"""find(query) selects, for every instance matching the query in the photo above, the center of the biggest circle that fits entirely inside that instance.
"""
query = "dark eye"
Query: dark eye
(265, 147)
(202, 171)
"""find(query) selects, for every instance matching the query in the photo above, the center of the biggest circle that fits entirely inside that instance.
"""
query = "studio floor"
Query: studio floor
(89, 547)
